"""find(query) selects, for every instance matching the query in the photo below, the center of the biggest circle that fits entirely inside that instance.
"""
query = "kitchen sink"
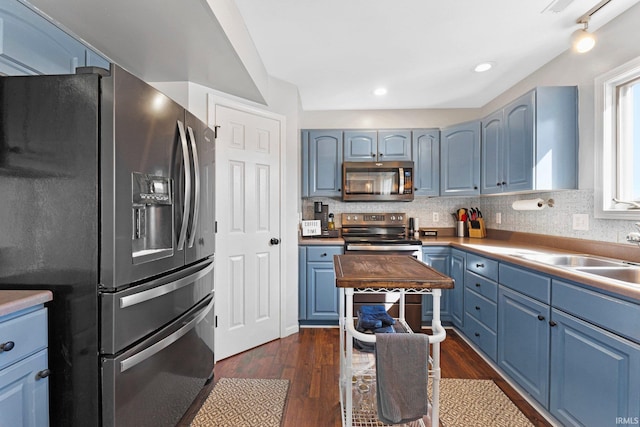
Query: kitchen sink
(626, 274)
(570, 260)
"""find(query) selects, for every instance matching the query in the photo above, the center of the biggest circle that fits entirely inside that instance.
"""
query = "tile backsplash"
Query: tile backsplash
(556, 220)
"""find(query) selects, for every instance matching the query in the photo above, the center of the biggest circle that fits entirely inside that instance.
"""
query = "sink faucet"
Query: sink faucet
(634, 236)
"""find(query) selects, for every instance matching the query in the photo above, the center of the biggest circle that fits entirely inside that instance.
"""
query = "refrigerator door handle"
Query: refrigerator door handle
(196, 174)
(187, 186)
(148, 352)
(156, 292)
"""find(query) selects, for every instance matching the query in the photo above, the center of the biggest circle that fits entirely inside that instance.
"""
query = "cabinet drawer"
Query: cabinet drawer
(483, 266)
(526, 282)
(598, 309)
(482, 336)
(323, 253)
(481, 309)
(28, 333)
(485, 287)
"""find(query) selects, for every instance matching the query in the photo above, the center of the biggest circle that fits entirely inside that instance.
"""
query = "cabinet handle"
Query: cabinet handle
(324, 254)
(7, 346)
(477, 285)
(477, 334)
(479, 265)
(552, 323)
(540, 317)
(43, 374)
(477, 308)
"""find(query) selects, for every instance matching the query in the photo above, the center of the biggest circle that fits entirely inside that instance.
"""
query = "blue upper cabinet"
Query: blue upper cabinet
(532, 143)
(371, 145)
(460, 160)
(322, 163)
(360, 146)
(29, 44)
(394, 145)
(426, 157)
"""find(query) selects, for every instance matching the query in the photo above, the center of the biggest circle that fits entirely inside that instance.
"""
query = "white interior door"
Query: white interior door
(248, 217)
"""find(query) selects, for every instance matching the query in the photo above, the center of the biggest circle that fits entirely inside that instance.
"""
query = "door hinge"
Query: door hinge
(215, 226)
(215, 322)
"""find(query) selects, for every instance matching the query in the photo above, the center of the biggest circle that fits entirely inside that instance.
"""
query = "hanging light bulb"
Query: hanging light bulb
(582, 40)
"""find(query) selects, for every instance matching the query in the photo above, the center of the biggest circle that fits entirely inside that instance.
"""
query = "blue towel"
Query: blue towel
(374, 317)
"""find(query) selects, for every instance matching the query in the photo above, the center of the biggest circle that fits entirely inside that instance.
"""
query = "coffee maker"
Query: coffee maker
(321, 213)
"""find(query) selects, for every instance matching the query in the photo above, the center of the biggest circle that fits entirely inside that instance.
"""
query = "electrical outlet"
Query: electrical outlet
(498, 217)
(581, 222)
(436, 217)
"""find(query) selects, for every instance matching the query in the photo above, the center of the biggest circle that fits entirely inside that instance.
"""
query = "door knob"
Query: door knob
(274, 241)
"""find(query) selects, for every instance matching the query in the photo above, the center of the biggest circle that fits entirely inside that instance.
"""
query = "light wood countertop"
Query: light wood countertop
(12, 301)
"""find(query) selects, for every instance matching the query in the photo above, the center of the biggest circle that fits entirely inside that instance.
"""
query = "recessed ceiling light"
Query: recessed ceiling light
(380, 91)
(485, 66)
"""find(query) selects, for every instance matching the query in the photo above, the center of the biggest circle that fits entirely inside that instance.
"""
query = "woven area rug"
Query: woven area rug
(238, 402)
(477, 403)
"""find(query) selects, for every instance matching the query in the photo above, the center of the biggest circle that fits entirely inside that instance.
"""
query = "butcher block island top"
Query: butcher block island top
(387, 271)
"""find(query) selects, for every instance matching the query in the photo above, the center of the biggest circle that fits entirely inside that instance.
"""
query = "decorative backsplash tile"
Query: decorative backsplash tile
(555, 221)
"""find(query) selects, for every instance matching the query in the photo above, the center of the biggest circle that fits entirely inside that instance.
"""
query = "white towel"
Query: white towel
(401, 377)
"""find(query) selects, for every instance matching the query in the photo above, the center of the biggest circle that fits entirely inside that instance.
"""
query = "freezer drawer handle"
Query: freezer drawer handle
(187, 186)
(196, 174)
(148, 352)
(134, 299)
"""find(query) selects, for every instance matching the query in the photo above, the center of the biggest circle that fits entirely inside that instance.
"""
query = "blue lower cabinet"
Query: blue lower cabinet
(437, 257)
(318, 296)
(456, 272)
(523, 342)
(595, 375)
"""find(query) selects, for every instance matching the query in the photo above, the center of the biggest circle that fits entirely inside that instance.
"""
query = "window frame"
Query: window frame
(606, 141)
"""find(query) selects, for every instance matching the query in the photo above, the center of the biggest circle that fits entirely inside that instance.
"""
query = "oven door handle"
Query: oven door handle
(148, 352)
(383, 248)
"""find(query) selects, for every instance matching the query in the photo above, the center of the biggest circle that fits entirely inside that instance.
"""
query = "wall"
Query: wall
(617, 44)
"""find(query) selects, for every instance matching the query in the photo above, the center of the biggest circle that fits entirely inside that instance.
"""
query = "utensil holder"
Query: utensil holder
(477, 228)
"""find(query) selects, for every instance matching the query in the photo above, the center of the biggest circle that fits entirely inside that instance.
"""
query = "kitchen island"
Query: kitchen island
(390, 274)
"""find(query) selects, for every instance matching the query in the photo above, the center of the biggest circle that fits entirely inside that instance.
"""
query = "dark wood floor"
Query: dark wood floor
(310, 360)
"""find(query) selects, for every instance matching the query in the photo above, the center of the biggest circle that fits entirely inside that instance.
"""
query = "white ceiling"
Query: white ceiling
(338, 51)
(335, 51)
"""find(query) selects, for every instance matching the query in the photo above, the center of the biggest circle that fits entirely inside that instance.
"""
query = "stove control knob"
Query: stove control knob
(393, 217)
(355, 217)
(400, 218)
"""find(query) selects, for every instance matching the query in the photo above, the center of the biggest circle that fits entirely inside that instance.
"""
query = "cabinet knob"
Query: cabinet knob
(373, 154)
(7, 346)
(380, 154)
(479, 265)
(323, 254)
(477, 285)
(503, 183)
(43, 374)
(552, 323)
(477, 334)
(475, 187)
(498, 184)
(540, 317)
(477, 307)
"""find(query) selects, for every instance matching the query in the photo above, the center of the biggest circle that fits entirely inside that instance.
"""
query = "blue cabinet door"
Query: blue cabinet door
(492, 158)
(29, 44)
(322, 295)
(595, 375)
(394, 145)
(519, 136)
(360, 146)
(426, 158)
(460, 160)
(456, 272)
(523, 342)
(437, 258)
(322, 163)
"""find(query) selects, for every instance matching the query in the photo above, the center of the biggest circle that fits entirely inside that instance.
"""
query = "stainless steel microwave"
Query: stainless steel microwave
(377, 181)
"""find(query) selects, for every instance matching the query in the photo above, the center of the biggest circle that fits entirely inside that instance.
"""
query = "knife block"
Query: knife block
(477, 228)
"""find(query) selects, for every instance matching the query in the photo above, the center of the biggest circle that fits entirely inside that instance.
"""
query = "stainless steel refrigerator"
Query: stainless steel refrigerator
(107, 199)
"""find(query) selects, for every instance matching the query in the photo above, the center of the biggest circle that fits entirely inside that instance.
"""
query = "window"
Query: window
(617, 142)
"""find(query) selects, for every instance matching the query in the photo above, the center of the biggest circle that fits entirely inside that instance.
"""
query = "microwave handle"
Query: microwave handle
(401, 181)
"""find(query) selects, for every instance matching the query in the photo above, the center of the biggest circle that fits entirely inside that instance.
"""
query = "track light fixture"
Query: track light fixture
(582, 40)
